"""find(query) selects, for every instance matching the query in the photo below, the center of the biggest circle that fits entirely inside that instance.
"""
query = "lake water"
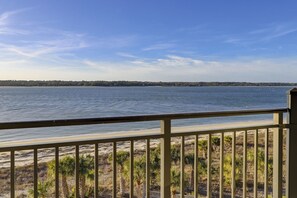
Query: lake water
(44, 103)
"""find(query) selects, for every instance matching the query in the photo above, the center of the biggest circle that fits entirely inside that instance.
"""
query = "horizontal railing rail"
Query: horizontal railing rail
(139, 118)
(19, 145)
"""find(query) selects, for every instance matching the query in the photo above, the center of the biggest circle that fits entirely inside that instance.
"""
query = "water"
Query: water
(43, 103)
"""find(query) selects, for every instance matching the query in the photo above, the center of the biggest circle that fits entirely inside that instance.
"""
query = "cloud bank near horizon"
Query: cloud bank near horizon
(170, 68)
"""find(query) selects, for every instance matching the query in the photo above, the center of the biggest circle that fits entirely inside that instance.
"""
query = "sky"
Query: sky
(155, 40)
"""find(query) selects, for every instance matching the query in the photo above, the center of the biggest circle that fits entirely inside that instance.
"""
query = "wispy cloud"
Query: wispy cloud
(159, 46)
(275, 31)
(6, 23)
(126, 55)
(266, 34)
(13, 31)
(5, 16)
(233, 40)
(35, 42)
(280, 33)
(42, 47)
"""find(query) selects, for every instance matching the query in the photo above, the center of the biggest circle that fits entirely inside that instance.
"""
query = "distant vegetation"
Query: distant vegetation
(30, 83)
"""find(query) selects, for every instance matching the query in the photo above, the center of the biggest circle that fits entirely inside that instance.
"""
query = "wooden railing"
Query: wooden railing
(282, 184)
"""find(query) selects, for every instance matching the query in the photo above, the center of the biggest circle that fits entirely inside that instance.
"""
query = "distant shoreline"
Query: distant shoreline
(58, 83)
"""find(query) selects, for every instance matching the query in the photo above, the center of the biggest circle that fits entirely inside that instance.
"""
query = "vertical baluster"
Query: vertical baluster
(12, 175)
(182, 167)
(278, 156)
(244, 171)
(57, 194)
(209, 194)
(256, 164)
(222, 165)
(131, 169)
(114, 171)
(196, 167)
(96, 177)
(35, 177)
(77, 171)
(148, 173)
(266, 164)
(233, 187)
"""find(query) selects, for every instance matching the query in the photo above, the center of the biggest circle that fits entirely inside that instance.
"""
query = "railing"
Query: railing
(234, 145)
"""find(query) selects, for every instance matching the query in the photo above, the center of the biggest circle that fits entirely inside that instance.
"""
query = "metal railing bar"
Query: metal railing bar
(12, 174)
(96, 169)
(222, 165)
(224, 130)
(233, 187)
(266, 142)
(244, 171)
(77, 171)
(74, 143)
(196, 161)
(131, 169)
(114, 170)
(209, 193)
(57, 194)
(182, 167)
(148, 168)
(139, 118)
(256, 164)
(35, 175)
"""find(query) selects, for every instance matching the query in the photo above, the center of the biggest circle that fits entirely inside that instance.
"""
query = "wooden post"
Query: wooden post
(165, 158)
(292, 145)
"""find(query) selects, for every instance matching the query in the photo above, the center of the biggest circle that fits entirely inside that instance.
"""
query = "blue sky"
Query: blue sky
(152, 40)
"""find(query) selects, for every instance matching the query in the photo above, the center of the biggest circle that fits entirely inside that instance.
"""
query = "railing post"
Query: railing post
(277, 156)
(292, 145)
(165, 158)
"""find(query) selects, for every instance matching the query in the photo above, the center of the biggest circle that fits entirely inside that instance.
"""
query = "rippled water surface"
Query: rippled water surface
(43, 103)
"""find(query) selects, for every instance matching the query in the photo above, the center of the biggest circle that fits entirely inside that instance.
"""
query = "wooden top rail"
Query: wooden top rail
(139, 118)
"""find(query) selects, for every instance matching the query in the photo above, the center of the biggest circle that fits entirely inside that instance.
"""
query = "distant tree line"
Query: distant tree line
(42, 83)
